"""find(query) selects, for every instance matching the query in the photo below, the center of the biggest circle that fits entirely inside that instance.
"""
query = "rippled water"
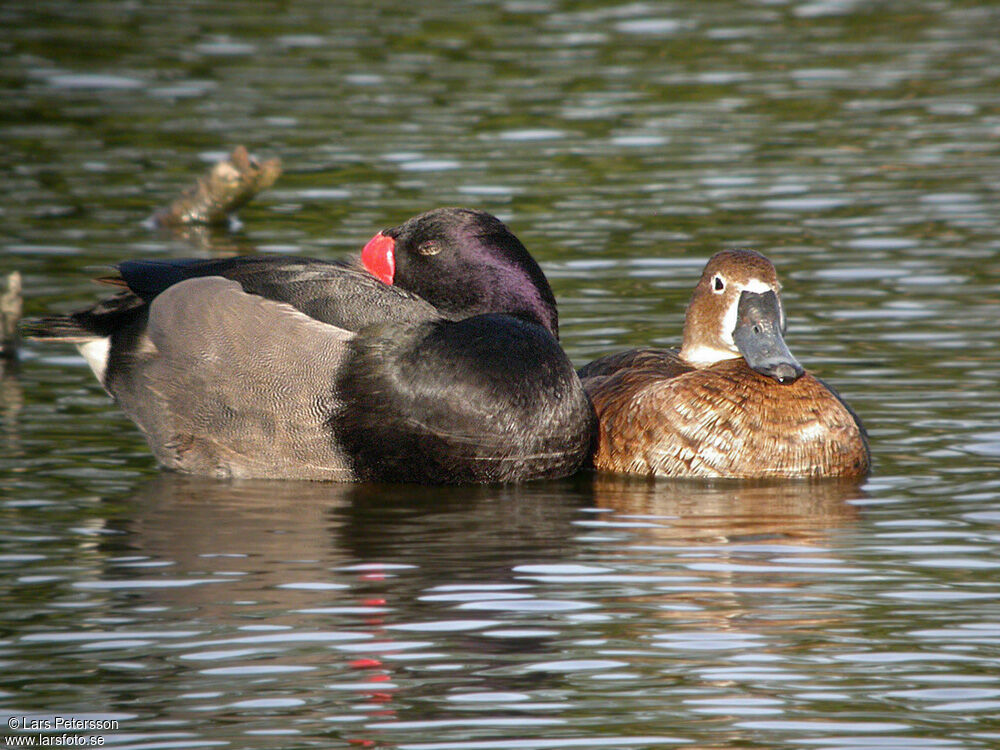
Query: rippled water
(854, 143)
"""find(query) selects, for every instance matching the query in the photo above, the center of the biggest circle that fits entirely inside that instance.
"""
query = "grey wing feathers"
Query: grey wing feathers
(233, 384)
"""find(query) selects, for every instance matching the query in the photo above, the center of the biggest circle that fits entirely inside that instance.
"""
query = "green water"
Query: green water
(855, 144)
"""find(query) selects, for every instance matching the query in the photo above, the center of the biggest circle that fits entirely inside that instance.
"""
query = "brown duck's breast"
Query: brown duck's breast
(724, 421)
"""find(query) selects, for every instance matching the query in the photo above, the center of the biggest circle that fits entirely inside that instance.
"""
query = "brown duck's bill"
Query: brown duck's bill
(758, 337)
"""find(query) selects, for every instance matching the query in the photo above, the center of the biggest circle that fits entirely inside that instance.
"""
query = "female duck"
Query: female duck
(733, 402)
(445, 368)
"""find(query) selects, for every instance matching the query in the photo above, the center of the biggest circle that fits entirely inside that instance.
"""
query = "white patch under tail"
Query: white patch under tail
(96, 353)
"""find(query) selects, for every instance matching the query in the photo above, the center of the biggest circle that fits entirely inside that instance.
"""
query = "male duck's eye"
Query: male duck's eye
(430, 247)
(718, 284)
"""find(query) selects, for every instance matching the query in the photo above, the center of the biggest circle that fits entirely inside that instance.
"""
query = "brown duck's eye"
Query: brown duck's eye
(430, 247)
(718, 284)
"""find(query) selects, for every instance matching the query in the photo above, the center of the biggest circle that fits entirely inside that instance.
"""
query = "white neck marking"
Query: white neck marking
(703, 356)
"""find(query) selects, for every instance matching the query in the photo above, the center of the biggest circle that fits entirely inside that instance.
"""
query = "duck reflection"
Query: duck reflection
(278, 542)
(680, 511)
(386, 565)
(355, 567)
(731, 556)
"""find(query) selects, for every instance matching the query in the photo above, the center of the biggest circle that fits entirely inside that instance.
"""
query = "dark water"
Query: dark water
(856, 144)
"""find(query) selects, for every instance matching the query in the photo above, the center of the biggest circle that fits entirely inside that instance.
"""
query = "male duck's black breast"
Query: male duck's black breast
(487, 399)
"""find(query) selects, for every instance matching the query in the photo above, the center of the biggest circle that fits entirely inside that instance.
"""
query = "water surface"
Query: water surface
(853, 143)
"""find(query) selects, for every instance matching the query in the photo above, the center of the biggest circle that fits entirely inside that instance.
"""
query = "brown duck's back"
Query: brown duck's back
(660, 416)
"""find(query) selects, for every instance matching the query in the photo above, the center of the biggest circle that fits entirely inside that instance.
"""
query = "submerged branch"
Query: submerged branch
(11, 308)
(230, 184)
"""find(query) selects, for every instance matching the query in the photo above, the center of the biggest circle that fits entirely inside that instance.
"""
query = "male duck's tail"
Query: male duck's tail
(97, 321)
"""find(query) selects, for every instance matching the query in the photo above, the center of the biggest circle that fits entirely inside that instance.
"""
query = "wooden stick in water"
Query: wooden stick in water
(230, 184)
(11, 308)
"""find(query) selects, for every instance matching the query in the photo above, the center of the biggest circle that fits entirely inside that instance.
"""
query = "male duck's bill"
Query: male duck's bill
(379, 257)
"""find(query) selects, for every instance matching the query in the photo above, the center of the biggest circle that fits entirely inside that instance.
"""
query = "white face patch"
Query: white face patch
(708, 355)
(756, 286)
(729, 324)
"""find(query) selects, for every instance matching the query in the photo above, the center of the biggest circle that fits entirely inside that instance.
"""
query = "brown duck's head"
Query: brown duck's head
(736, 311)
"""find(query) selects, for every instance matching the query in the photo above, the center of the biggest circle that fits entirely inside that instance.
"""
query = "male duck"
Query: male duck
(444, 369)
(733, 402)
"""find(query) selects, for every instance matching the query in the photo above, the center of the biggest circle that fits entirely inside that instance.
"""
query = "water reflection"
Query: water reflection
(325, 597)
(678, 512)
(11, 405)
(201, 241)
(461, 530)
(300, 551)
(732, 560)
(854, 143)
(347, 604)
(360, 611)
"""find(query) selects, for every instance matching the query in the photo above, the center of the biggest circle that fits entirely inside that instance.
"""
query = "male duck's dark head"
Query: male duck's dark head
(736, 311)
(464, 262)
